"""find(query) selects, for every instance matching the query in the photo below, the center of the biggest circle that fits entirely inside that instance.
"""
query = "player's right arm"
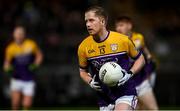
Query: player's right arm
(7, 62)
(7, 66)
(86, 77)
(83, 64)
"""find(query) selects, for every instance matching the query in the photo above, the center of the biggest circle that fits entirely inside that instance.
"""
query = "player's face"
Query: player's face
(123, 27)
(94, 23)
(19, 34)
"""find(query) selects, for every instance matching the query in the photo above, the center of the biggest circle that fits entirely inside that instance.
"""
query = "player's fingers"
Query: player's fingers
(97, 86)
(99, 89)
(123, 70)
(121, 82)
(94, 77)
(96, 83)
(89, 74)
(124, 73)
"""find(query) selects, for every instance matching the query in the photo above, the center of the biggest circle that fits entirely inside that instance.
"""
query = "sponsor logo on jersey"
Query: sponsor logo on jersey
(91, 51)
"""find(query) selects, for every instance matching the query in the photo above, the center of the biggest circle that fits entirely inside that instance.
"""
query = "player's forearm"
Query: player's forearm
(85, 76)
(39, 58)
(7, 66)
(147, 53)
(138, 64)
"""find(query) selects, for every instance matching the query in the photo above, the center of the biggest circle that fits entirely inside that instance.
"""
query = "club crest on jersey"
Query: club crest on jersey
(114, 47)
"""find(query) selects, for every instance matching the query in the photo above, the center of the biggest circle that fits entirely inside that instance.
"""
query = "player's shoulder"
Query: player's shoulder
(138, 35)
(11, 46)
(119, 36)
(30, 41)
(86, 41)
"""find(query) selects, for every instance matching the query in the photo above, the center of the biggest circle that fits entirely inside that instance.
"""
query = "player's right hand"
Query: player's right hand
(9, 70)
(95, 85)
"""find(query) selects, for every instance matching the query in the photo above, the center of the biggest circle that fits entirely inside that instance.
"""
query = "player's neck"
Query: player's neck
(129, 34)
(19, 43)
(101, 36)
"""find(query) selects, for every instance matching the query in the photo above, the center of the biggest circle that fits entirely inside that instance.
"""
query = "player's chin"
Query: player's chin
(92, 33)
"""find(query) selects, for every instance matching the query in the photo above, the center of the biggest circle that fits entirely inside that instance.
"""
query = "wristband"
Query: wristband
(130, 72)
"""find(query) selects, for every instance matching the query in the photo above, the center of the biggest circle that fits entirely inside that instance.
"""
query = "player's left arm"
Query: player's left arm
(38, 57)
(7, 67)
(137, 66)
(145, 49)
(147, 53)
(137, 56)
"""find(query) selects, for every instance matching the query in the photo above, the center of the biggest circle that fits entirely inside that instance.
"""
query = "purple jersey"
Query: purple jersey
(20, 58)
(110, 94)
(116, 47)
(138, 40)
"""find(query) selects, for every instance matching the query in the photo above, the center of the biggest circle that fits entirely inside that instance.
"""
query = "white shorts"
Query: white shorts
(152, 79)
(130, 100)
(25, 87)
(143, 87)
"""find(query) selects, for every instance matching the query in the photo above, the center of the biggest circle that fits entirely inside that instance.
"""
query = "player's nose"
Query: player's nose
(88, 25)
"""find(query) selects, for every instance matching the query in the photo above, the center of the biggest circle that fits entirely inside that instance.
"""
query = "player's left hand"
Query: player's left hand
(33, 67)
(127, 76)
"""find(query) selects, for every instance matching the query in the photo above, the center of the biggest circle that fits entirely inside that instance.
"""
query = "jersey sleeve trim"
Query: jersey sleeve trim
(138, 55)
(82, 67)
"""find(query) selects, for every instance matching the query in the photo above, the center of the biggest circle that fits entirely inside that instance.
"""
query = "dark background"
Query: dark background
(58, 27)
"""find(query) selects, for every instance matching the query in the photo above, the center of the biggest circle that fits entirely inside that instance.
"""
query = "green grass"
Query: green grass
(66, 108)
(91, 108)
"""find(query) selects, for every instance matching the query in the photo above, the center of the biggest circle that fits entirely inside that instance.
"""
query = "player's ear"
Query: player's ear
(129, 26)
(103, 21)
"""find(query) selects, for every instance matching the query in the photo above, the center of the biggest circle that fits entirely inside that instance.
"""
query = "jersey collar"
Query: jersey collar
(103, 39)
